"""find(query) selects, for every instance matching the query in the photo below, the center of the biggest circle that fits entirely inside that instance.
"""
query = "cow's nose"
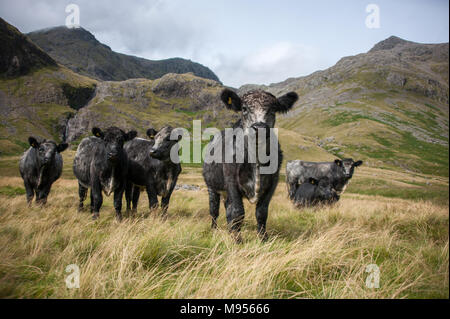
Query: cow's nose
(112, 155)
(260, 125)
(152, 151)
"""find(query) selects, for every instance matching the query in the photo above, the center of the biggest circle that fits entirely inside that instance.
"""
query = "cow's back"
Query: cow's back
(28, 166)
(84, 158)
(302, 170)
(139, 161)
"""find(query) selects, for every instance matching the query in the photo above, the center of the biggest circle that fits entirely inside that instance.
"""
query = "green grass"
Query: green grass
(11, 191)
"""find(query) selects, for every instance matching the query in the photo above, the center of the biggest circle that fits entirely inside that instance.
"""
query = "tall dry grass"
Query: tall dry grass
(314, 253)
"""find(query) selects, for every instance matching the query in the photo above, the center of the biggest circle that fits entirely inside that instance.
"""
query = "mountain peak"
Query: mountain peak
(63, 31)
(388, 43)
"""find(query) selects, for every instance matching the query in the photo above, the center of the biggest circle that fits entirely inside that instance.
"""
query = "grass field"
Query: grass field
(395, 220)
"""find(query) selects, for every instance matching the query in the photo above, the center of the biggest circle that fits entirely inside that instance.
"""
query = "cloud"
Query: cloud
(157, 29)
(270, 64)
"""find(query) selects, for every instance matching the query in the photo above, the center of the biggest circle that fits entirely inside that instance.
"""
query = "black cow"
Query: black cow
(150, 166)
(339, 173)
(234, 180)
(40, 166)
(313, 192)
(101, 164)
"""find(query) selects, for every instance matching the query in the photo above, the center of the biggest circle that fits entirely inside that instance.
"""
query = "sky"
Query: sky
(243, 41)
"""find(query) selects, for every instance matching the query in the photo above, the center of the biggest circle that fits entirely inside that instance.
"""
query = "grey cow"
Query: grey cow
(40, 166)
(235, 181)
(101, 165)
(338, 172)
(151, 167)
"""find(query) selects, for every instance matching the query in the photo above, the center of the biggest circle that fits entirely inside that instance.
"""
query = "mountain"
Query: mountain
(388, 106)
(81, 52)
(18, 55)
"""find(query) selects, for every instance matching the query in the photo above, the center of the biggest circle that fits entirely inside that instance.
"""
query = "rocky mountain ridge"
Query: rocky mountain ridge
(80, 51)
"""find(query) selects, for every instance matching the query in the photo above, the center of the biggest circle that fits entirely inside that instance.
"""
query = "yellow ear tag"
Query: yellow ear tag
(229, 101)
(312, 182)
(97, 134)
(152, 136)
(33, 145)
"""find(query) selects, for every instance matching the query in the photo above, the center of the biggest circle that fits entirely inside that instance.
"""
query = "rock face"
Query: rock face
(80, 51)
(138, 104)
(19, 56)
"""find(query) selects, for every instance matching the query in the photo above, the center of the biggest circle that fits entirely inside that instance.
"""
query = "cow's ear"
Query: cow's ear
(358, 163)
(231, 100)
(62, 147)
(151, 133)
(97, 132)
(313, 181)
(286, 102)
(33, 142)
(130, 135)
(338, 162)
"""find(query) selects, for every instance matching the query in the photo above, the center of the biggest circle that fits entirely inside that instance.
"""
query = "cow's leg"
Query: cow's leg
(118, 195)
(152, 196)
(42, 194)
(82, 193)
(166, 198)
(92, 202)
(136, 192)
(235, 212)
(214, 206)
(292, 184)
(97, 199)
(128, 194)
(29, 191)
(262, 209)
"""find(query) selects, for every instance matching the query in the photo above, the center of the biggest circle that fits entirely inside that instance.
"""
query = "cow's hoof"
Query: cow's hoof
(95, 216)
(119, 217)
(237, 238)
(264, 237)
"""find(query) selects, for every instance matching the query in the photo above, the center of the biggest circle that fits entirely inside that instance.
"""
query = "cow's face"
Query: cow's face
(258, 108)
(163, 144)
(347, 166)
(114, 139)
(324, 189)
(46, 150)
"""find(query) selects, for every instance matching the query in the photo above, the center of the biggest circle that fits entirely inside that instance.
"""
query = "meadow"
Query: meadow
(396, 220)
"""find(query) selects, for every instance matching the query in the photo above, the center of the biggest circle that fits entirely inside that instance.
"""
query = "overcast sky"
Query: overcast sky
(245, 41)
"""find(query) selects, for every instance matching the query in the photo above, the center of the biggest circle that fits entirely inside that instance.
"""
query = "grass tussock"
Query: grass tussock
(314, 253)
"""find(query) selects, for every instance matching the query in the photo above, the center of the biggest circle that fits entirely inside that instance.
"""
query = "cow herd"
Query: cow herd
(118, 162)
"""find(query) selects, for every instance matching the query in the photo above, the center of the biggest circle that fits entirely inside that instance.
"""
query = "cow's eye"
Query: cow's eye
(244, 109)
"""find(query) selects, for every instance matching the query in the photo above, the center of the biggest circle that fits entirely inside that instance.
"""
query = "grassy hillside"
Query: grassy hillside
(37, 104)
